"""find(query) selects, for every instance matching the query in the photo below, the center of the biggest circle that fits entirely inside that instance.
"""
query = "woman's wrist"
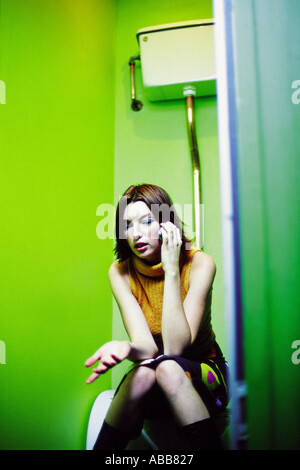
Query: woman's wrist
(140, 351)
(172, 272)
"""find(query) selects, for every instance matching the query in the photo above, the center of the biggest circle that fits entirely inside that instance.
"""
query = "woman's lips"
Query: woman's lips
(140, 246)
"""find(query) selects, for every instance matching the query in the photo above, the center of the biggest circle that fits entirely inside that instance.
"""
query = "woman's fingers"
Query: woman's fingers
(92, 377)
(167, 233)
(101, 368)
(109, 355)
(171, 234)
(178, 234)
(91, 360)
(106, 361)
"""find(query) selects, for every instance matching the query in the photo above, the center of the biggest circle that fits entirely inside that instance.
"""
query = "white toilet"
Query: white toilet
(156, 435)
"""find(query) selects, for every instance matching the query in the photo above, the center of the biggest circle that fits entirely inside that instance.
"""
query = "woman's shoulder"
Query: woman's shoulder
(202, 262)
(118, 271)
(118, 268)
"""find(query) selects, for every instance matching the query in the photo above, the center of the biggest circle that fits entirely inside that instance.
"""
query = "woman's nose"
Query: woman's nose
(136, 233)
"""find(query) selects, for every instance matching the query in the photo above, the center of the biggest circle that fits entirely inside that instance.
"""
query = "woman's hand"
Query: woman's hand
(171, 246)
(108, 355)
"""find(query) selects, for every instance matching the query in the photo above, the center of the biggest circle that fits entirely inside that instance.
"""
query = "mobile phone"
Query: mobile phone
(160, 233)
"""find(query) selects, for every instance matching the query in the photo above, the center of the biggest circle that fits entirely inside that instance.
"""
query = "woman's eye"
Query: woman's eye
(147, 221)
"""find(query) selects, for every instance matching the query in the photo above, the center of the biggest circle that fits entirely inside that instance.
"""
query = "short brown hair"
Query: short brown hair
(152, 196)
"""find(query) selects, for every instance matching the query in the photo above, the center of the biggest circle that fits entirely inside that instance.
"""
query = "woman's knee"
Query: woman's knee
(140, 380)
(170, 376)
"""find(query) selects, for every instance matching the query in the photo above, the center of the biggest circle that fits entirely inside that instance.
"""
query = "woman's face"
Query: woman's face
(142, 232)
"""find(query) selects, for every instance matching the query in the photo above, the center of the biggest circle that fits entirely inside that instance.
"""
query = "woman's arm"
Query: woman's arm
(202, 274)
(176, 332)
(181, 320)
(142, 344)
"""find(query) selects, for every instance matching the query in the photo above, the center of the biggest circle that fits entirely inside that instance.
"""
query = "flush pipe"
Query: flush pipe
(136, 105)
(189, 93)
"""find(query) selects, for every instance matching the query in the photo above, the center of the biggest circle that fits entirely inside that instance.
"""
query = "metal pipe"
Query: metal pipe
(136, 105)
(189, 101)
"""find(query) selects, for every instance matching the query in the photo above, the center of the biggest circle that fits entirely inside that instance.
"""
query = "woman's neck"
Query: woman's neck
(149, 269)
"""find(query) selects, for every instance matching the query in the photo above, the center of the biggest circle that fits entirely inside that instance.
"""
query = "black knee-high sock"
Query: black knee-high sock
(202, 435)
(111, 438)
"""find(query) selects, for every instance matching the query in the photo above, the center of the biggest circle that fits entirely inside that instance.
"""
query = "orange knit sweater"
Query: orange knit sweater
(147, 285)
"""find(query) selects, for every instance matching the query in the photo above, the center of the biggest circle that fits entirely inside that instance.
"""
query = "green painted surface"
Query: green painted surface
(57, 137)
(70, 142)
(266, 38)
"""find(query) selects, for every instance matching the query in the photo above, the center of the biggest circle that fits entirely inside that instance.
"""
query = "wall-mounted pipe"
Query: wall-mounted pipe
(190, 115)
(136, 105)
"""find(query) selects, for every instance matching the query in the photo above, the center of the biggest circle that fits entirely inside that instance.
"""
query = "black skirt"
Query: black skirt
(209, 378)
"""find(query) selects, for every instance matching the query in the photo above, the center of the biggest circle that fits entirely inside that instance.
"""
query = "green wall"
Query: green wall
(266, 60)
(57, 138)
(69, 143)
(152, 145)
